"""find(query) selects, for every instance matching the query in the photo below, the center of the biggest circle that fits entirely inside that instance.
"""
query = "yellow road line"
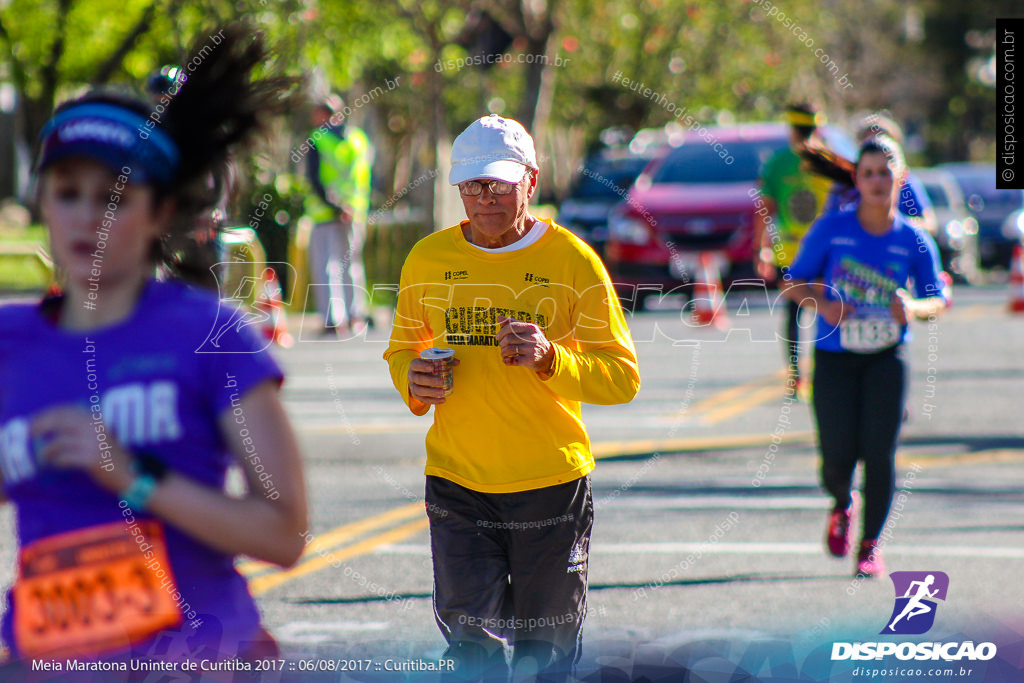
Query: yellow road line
(321, 551)
(609, 449)
(985, 456)
(264, 583)
(733, 393)
(743, 405)
(342, 534)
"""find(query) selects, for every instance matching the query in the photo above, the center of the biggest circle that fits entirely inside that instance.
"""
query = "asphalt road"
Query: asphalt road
(708, 538)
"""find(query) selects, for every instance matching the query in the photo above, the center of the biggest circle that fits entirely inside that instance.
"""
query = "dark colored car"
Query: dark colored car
(601, 182)
(700, 196)
(990, 207)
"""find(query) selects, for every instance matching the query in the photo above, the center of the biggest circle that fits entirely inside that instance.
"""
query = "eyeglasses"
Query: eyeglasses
(473, 188)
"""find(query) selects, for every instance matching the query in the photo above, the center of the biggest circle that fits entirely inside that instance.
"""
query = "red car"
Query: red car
(699, 196)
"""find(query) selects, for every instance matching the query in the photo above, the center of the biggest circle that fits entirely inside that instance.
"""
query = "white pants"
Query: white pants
(336, 271)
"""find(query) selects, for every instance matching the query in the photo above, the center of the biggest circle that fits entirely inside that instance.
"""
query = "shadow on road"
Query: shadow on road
(706, 581)
(713, 580)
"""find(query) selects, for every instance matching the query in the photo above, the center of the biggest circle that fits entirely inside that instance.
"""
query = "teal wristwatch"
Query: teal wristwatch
(149, 472)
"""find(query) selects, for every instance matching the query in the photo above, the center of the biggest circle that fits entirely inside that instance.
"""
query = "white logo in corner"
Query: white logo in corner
(577, 559)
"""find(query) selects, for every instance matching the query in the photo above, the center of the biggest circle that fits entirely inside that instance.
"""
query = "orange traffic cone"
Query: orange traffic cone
(275, 328)
(708, 304)
(1017, 281)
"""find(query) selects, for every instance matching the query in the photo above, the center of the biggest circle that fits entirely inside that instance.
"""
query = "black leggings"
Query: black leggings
(858, 404)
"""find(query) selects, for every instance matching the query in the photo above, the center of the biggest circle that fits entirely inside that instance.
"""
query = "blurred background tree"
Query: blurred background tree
(931, 62)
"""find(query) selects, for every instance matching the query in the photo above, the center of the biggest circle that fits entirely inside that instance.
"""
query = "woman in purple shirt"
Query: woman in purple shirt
(124, 400)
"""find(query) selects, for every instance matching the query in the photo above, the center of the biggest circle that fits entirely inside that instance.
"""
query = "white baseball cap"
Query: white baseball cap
(492, 147)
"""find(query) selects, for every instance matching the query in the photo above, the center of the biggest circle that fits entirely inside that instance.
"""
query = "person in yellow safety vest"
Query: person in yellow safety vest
(339, 161)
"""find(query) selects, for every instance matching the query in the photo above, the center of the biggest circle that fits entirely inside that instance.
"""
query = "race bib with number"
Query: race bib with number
(865, 335)
(92, 591)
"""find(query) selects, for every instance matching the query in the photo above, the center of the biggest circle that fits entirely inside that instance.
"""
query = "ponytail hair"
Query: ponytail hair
(217, 107)
(824, 162)
(218, 104)
(181, 144)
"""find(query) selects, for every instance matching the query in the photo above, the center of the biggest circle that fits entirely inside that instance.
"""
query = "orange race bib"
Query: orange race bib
(92, 591)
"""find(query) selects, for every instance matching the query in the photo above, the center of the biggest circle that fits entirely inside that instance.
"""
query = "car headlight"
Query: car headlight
(1013, 226)
(628, 230)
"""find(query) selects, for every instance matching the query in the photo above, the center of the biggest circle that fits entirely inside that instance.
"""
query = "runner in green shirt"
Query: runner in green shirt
(796, 197)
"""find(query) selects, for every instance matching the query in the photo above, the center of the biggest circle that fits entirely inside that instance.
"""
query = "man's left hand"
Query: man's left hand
(525, 345)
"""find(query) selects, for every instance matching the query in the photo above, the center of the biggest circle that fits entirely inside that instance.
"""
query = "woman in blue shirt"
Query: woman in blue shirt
(856, 266)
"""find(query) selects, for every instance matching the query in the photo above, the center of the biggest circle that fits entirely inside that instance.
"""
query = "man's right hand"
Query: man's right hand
(424, 385)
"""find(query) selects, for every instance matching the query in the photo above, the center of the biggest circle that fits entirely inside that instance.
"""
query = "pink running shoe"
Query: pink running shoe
(869, 560)
(837, 536)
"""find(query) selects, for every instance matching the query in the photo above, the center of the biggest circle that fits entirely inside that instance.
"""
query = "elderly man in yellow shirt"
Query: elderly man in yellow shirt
(537, 329)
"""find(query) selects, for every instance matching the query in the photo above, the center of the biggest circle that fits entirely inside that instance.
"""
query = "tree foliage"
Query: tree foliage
(718, 61)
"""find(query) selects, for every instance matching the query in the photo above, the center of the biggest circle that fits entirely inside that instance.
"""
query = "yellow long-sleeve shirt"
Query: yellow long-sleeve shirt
(504, 429)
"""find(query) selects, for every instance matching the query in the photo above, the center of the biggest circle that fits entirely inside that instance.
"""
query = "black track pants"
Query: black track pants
(510, 571)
